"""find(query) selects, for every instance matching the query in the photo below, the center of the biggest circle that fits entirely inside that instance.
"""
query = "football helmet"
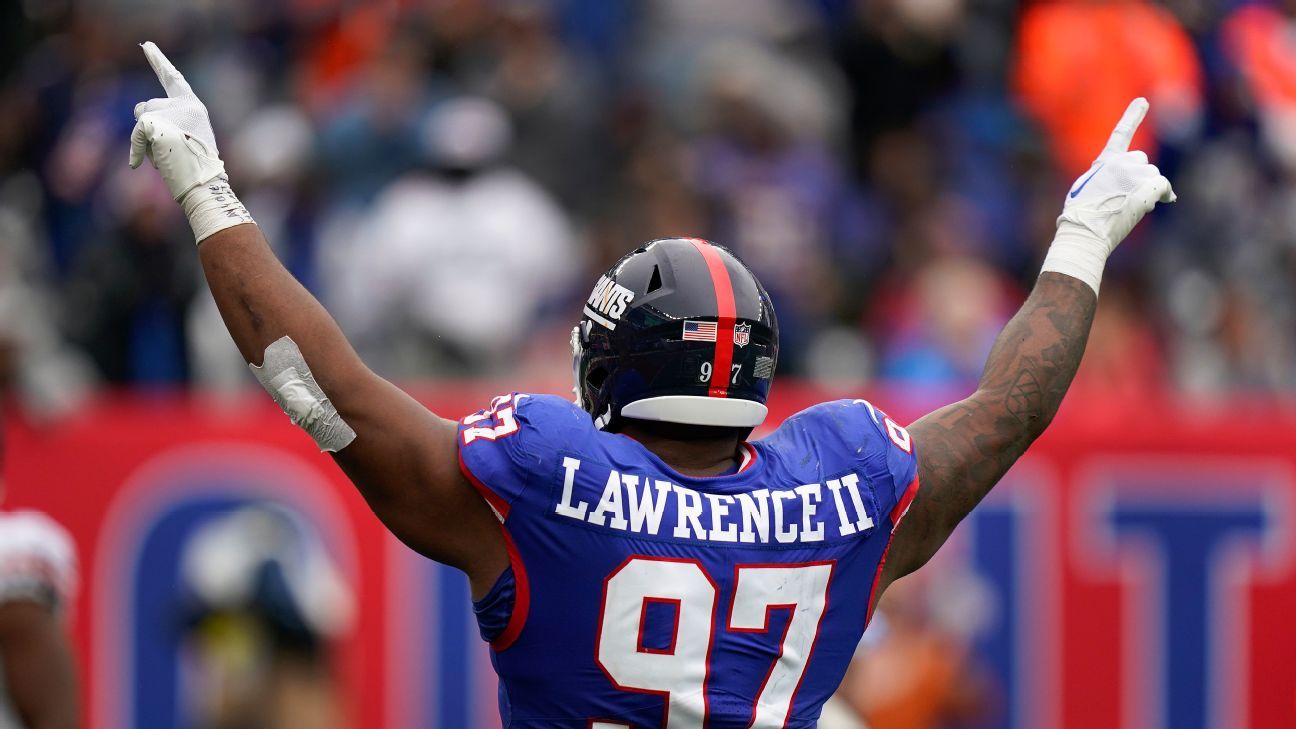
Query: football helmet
(678, 331)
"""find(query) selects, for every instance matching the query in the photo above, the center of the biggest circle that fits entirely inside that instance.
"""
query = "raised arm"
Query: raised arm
(402, 457)
(965, 448)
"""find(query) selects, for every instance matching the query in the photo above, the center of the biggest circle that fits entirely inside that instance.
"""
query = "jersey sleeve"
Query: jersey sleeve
(504, 447)
(901, 458)
(37, 560)
(883, 446)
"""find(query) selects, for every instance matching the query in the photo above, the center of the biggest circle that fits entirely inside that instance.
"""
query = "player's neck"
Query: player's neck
(707, 455)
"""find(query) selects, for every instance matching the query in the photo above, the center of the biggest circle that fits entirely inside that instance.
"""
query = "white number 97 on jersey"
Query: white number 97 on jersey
(681, 672)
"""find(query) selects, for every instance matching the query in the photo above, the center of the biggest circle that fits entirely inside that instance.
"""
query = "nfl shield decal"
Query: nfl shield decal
(742, 334)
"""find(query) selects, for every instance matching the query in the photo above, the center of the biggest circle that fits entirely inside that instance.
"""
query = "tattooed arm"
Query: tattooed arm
(965, 448)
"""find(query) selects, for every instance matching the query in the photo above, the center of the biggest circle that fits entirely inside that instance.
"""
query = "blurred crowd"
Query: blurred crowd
(448, 176)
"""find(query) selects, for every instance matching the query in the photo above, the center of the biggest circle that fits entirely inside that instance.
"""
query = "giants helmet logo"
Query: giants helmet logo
(607, 302)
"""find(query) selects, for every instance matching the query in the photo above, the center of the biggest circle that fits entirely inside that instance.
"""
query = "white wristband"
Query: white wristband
(1079, 253)
(211, 207)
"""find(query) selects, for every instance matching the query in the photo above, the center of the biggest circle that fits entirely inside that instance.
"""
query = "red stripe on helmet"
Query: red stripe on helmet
(726, 311)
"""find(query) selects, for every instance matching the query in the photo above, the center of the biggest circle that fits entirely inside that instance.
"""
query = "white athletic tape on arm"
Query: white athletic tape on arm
(212, 207)
(284, 374)
(1078, 252)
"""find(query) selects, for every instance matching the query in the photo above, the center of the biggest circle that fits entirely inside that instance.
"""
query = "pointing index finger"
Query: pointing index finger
(173, 82)
(1128, 124)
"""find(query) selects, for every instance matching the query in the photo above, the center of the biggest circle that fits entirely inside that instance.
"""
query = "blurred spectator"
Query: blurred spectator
(1257, 43)
(775, 194)
(48, 376)
(654, 195)
(1226, 267)
(1123, 359)
(903, 53)
(264, 601)
(38, 686)
(845, 148)
(552, 102)
(919, 672)
(374, 135)
(459, 259)
(129, 294)
(1080, 62)
(940, 327)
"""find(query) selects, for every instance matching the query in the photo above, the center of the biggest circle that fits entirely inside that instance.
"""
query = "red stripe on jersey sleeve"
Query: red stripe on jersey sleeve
(498, 504)
(522, 584)
(897, 513)
(521, 597)
(902, 505)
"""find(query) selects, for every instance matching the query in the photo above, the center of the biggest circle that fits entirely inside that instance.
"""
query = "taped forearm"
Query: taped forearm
(1078, 253)
(212, 207)
(284, 374)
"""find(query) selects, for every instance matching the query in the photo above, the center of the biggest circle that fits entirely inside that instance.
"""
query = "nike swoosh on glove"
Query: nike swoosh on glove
(1106, 202)
(1120, 188)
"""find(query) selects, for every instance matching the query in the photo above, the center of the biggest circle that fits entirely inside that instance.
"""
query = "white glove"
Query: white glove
(176, 135)
(1106, 202)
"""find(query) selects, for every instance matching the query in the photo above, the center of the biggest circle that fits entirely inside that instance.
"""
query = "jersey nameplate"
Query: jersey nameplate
(656, 507)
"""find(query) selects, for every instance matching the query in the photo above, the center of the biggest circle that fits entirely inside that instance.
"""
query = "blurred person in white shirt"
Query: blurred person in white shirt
(413, 298)
(47, 377)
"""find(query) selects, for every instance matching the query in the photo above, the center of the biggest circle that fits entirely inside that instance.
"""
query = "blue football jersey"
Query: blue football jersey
(645, 598)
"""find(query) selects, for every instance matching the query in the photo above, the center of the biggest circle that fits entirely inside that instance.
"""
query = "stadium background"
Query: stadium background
(890, 168)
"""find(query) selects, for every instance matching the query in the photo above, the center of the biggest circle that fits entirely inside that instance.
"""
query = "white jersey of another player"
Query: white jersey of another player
(38, 565)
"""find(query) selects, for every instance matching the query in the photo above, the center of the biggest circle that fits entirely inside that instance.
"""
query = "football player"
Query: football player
(38, 685)
(635, 561)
